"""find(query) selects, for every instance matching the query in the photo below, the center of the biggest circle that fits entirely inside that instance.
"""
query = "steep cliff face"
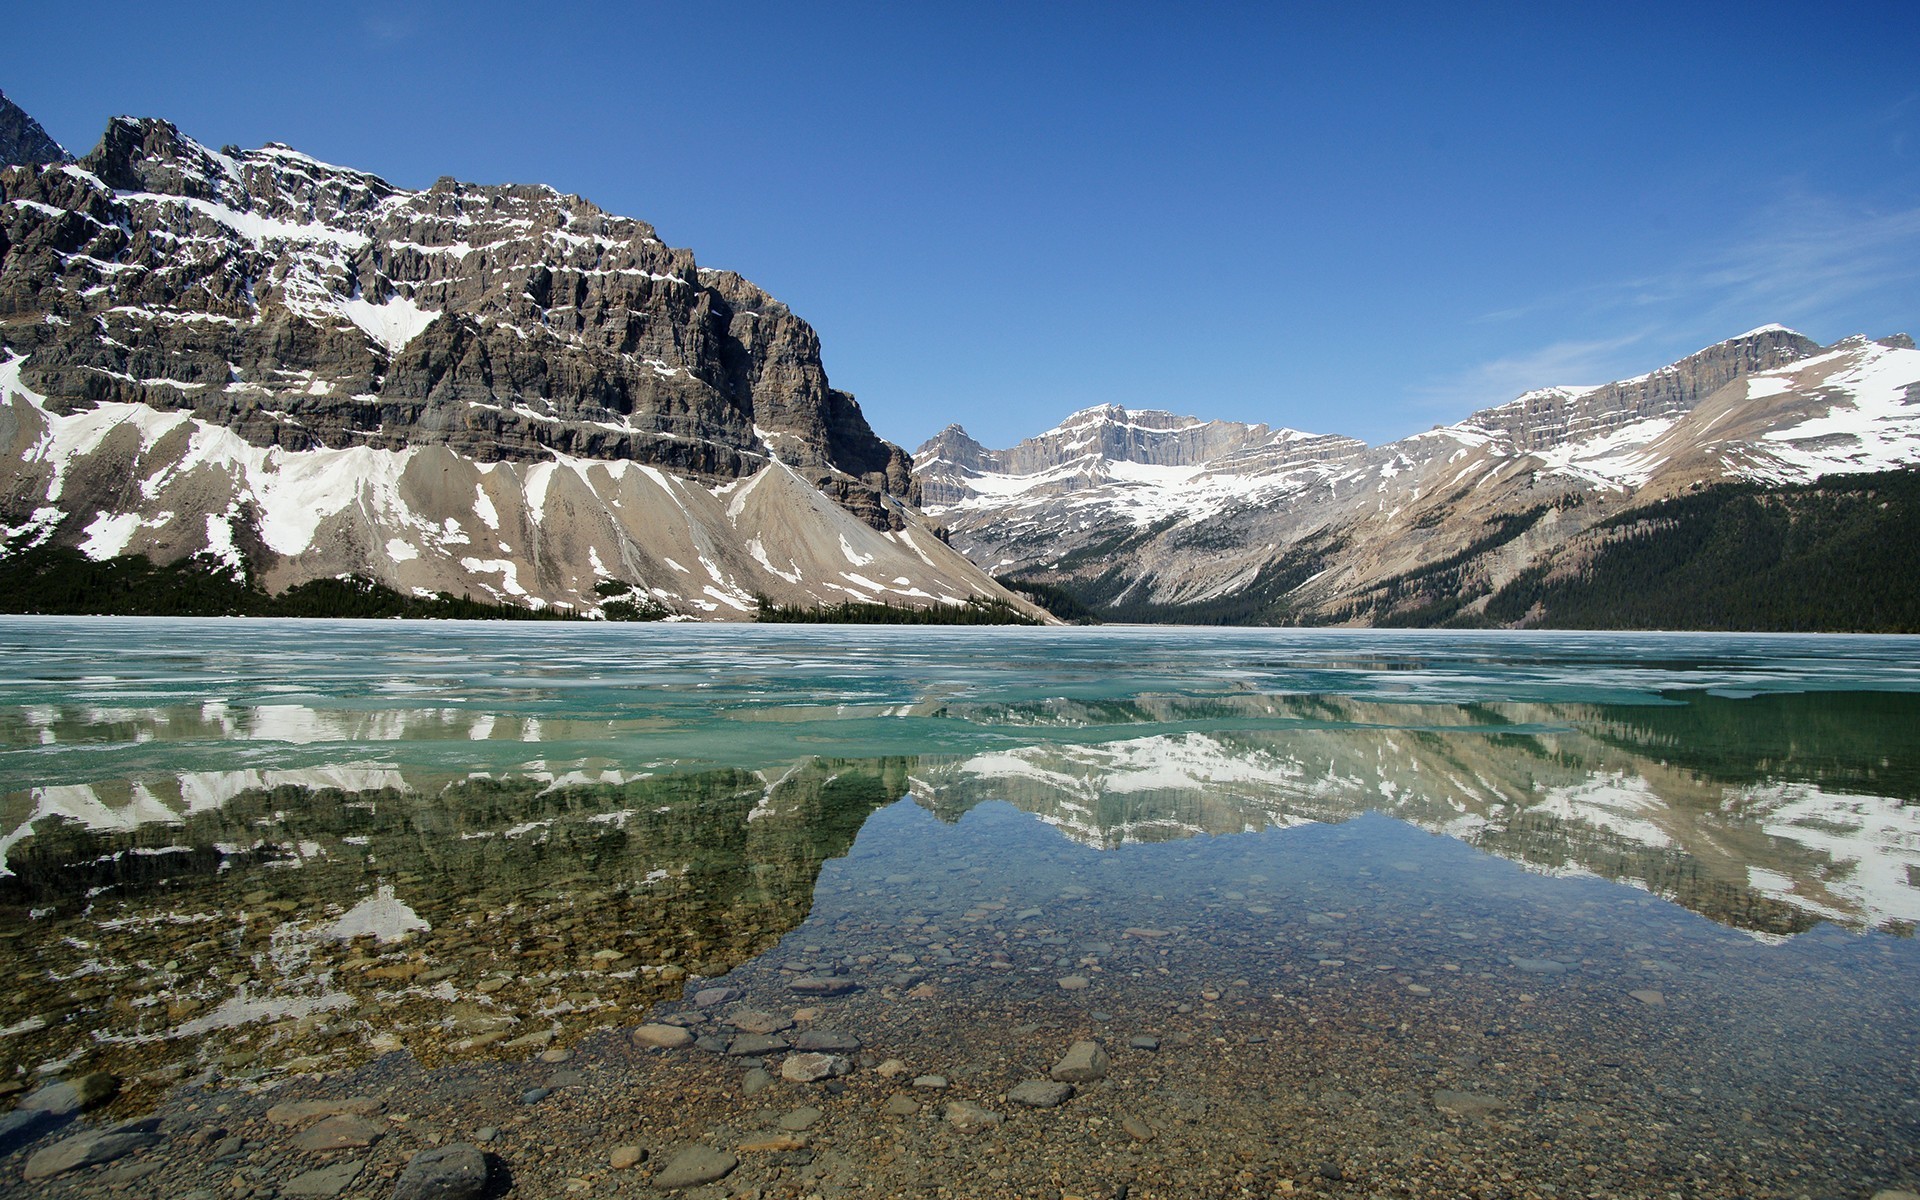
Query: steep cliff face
(1293, 527)
(21, 138)
(306, 305)
(297, 369)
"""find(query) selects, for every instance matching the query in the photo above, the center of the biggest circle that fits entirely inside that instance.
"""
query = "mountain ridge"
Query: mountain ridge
(1325, 529)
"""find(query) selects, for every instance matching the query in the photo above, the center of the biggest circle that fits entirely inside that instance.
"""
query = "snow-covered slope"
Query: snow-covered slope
(132, 479)
(1317, 521)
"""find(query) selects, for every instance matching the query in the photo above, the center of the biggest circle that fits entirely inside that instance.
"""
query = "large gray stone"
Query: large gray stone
(695, 1165)
(811, 1068)
(326, 1181)
(662, 1037)
(756, 1045)
(21, 1126)
(456, 1172)
(969, 1117)
(827, 1041)
(86, 1150)
(69, 1096)
(1083, 1062)
(1466, 1104)
(343, 1132)
(1040, 1093)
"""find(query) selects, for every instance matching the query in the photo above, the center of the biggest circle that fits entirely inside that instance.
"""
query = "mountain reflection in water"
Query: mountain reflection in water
(277, 921)
(236, 850)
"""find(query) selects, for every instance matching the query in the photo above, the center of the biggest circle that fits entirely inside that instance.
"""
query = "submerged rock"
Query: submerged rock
(1084, 1062)
(969, 1117)
(1466, 1104)
(1040, 1093)
(86, 1150)
(69, 1096)
(324, 1181)
(662, 1037)
(456, 1172)
(811, 1068)
(694, 1166)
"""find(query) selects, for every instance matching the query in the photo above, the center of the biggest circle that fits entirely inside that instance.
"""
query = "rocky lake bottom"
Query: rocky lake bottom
(1165, 944)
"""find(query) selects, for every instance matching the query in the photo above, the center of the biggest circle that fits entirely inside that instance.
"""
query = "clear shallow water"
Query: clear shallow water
(1646, 902)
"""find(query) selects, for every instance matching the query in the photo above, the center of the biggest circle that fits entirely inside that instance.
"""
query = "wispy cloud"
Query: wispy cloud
(391, 24)
(1566, 362)
(1806, 260)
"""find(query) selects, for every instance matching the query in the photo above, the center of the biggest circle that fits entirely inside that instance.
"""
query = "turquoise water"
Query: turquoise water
(248, 850)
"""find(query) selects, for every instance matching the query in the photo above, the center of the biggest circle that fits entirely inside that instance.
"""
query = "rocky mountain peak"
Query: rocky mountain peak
(305, 305)
(283, 371)
(22, 140)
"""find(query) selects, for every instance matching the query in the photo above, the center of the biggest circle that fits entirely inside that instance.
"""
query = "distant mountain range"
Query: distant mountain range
(1797, 456)
(282, 371)
(250, 381)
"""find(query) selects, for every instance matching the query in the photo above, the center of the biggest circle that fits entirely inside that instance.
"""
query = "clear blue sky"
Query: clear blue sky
(1361, 219)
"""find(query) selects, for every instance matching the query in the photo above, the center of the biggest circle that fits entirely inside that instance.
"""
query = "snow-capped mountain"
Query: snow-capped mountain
(272, 364)
(1146, 512)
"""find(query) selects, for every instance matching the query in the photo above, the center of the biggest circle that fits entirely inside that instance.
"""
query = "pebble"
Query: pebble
(1074, 983)
(1419, 989)
(930, 1082)
(1083, 1062)
(756, 1081)
(823, 985)
(1143, 1041)
(799, 1118)
(535, 1095)
(709, 997)
(1648, 996)
(695, 1165)
(900, 1106)
(1136, 1128)
(625, 1158)
(662, 1037)
(456, 1172)
(892, 1068)
(555, 1056)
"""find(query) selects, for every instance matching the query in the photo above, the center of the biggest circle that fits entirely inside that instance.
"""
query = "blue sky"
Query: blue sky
(1360, 219)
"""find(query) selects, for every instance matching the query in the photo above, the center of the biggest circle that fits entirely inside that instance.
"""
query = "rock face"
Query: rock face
(21, 138)
(298, 370)
(1150, 516)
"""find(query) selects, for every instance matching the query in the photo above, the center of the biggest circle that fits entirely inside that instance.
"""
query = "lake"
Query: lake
(919, 911)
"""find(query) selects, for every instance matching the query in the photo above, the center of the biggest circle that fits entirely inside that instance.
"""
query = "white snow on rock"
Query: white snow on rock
(381, 915)
(393, 323)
